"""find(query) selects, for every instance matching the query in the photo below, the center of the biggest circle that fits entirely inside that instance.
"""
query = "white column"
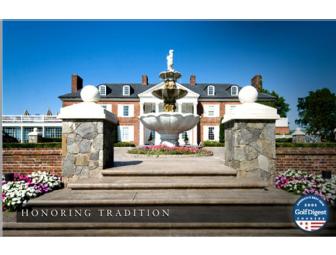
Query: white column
(141, 127)
(157, 107)
(195, 108)
(194, 134)
(21, 134)
(195, 129)
(141, 108)
(179, 107)
(43, 131)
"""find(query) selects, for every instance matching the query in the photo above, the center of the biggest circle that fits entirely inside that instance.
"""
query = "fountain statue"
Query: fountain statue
(169, 123)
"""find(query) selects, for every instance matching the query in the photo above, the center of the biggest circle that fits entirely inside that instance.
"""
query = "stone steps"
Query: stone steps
(169, 172)
(230, 212)
(168, 182)
(164, 232)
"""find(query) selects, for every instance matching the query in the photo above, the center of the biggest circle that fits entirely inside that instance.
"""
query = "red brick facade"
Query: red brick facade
(282, 130)
(307, 159)
(31, 160)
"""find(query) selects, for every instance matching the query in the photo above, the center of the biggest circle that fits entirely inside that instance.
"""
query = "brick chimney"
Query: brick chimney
(192, 80)
(256, 82)
(144, 80)
(76, 83)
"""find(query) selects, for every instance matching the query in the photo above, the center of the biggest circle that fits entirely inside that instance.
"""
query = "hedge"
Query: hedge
(124, 144)
(213, 144)
(32, 145)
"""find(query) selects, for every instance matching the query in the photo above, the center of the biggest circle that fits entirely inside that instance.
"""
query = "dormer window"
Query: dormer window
(234, 91)
(211, 90)
(102, 90)
(126, 90)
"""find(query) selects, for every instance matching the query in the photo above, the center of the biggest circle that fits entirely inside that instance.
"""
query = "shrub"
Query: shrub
(300, 182)
(51, 140)
(124, 144)
(283, 140)
(32, 145)
(213, 144)
(16, 193)
(165, 150)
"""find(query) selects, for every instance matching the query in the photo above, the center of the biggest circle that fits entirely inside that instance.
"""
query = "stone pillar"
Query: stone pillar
(87, 136)
(250, 137)
(250, 147)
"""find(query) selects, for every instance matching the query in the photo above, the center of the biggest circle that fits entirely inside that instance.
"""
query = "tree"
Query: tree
(317, 113)
(279, 103)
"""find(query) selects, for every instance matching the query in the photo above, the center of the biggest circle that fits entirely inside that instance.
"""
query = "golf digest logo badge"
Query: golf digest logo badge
(310, 213)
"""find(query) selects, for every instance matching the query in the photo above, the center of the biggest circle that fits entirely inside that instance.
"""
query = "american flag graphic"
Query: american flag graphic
(311, 223)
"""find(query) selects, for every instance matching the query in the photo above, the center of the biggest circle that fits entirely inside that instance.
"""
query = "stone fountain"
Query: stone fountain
(169, 124)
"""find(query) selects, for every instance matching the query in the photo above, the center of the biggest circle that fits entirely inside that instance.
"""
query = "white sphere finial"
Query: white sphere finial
(89, 94)
(248, 94)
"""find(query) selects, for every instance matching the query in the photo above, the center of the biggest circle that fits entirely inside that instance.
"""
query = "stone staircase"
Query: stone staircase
(204, 197)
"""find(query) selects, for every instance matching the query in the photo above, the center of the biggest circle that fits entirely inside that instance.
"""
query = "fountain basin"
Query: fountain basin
(169, 125)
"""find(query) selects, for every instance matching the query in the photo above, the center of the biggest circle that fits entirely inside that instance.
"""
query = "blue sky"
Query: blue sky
(40, 56)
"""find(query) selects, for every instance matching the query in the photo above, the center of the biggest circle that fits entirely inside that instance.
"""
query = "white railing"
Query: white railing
(30, 118)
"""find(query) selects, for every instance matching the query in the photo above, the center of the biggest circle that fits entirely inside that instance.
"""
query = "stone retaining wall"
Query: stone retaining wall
(26, 160)
(307, 159)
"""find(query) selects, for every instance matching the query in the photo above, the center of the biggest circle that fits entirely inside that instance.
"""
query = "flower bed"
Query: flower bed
(16, 193)
(165, 150)
(300, 182)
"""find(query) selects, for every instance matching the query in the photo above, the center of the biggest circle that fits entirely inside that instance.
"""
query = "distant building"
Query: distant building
(18, 126)
(282, 126)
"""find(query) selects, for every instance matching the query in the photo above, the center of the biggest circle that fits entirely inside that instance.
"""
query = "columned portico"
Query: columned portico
(151, 104)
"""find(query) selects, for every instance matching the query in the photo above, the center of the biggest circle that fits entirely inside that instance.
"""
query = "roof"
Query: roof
(114, 90)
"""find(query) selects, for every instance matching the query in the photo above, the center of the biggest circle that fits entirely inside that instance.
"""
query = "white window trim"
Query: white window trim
(237, 90)
(130, 133)
(130, 110)
(213, 88)
(129, 90)
(216, 110)
(206, 133)
(102, 90)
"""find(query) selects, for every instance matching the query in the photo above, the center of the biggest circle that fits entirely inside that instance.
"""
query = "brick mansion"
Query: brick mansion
(128, 101)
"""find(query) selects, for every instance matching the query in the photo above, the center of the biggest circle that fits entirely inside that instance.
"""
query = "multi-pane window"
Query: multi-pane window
(124, 134)
(160, 107)
(13, 132)
(211, 133)
(234, 91)
(126, 90)
(125, 110)
(211, 90)
(102, 90)
(53, 132)
(187, 108)
(149, 107)
(211, 110)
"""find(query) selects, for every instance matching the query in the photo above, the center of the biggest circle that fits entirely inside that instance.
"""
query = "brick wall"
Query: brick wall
(308, 159)
(26, 160)
(282, 130)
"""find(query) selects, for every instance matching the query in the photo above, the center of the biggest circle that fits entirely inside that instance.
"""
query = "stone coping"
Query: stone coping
(305, 151)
